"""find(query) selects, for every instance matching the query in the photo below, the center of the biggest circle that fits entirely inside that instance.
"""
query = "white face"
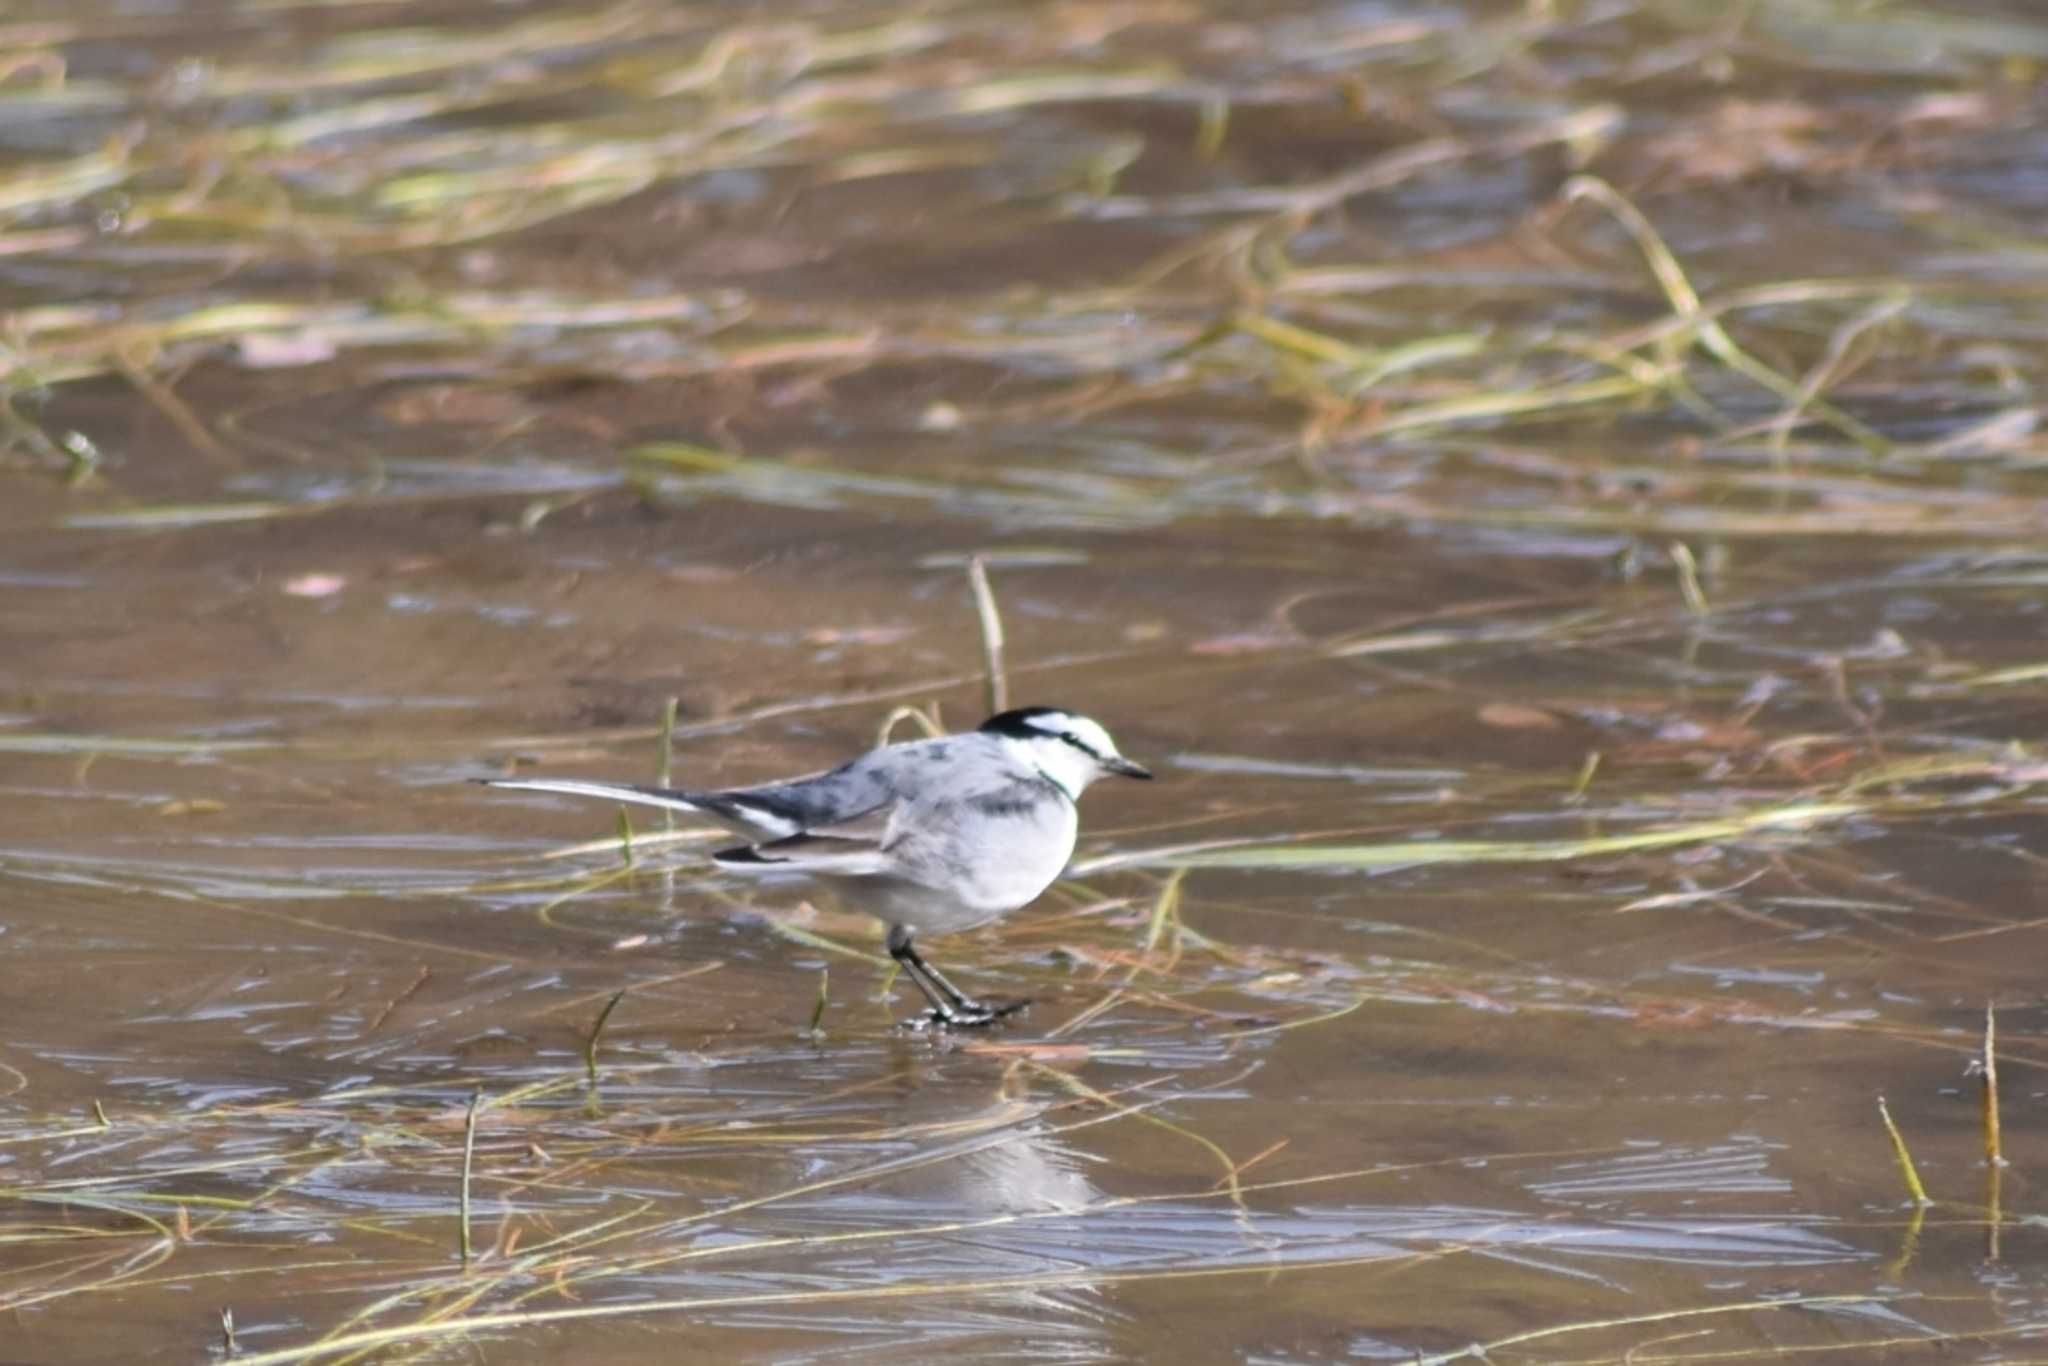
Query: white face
(1075, 751)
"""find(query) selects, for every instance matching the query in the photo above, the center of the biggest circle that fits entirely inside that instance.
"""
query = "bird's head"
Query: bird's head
(1070, 750)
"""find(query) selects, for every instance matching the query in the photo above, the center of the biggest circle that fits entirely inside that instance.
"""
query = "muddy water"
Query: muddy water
(275, 973)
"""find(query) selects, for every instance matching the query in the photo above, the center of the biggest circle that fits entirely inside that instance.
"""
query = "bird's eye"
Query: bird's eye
(1077, 742)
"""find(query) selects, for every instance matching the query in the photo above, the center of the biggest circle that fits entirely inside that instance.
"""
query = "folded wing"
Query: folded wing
(852, 847)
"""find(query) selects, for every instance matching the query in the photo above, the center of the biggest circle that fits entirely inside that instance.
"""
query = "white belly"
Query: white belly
(1014, 860)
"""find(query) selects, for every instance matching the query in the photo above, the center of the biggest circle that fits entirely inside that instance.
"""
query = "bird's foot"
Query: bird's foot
(966, 1015)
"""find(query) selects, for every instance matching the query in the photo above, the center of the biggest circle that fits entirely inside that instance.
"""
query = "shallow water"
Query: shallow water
(1580, 804)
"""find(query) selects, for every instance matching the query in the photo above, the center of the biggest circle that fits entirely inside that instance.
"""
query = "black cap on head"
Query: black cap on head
(1017, 722)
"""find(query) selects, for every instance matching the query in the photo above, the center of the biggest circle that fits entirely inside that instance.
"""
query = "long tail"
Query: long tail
(616, 792)
(751, 814)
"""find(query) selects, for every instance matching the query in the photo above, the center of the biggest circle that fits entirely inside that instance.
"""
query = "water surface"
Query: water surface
(1555, 490)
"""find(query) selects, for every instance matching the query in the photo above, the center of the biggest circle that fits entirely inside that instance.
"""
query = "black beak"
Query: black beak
(1116, 763)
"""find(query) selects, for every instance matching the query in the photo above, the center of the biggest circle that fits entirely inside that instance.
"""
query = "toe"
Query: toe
(968, 1015)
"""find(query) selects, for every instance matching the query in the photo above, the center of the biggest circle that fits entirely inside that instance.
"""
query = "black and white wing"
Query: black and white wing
(854, 847)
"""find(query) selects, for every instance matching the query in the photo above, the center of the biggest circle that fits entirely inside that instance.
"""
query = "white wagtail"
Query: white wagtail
(927, 835)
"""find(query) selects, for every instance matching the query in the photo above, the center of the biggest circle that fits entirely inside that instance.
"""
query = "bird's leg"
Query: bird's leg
(949, 1006)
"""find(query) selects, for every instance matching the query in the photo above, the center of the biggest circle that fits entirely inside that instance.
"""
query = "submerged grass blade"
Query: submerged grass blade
(800, 935)
(824, 997)
(1994, 1138)
(476, 1098)
(1791, 817)
(1485, 1352)
(136, 746)
(922, 718)
(991, 635)
(664, 760)
(185, 515)
(597, 1032)
(1703, 325)
(1908, 1173)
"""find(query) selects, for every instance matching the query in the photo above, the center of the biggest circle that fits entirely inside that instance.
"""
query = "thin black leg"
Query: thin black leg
(952, 993)
(944, 997)
(950, 1006)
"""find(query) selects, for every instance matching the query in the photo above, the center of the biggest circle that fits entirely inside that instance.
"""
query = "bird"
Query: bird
(929, 836)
